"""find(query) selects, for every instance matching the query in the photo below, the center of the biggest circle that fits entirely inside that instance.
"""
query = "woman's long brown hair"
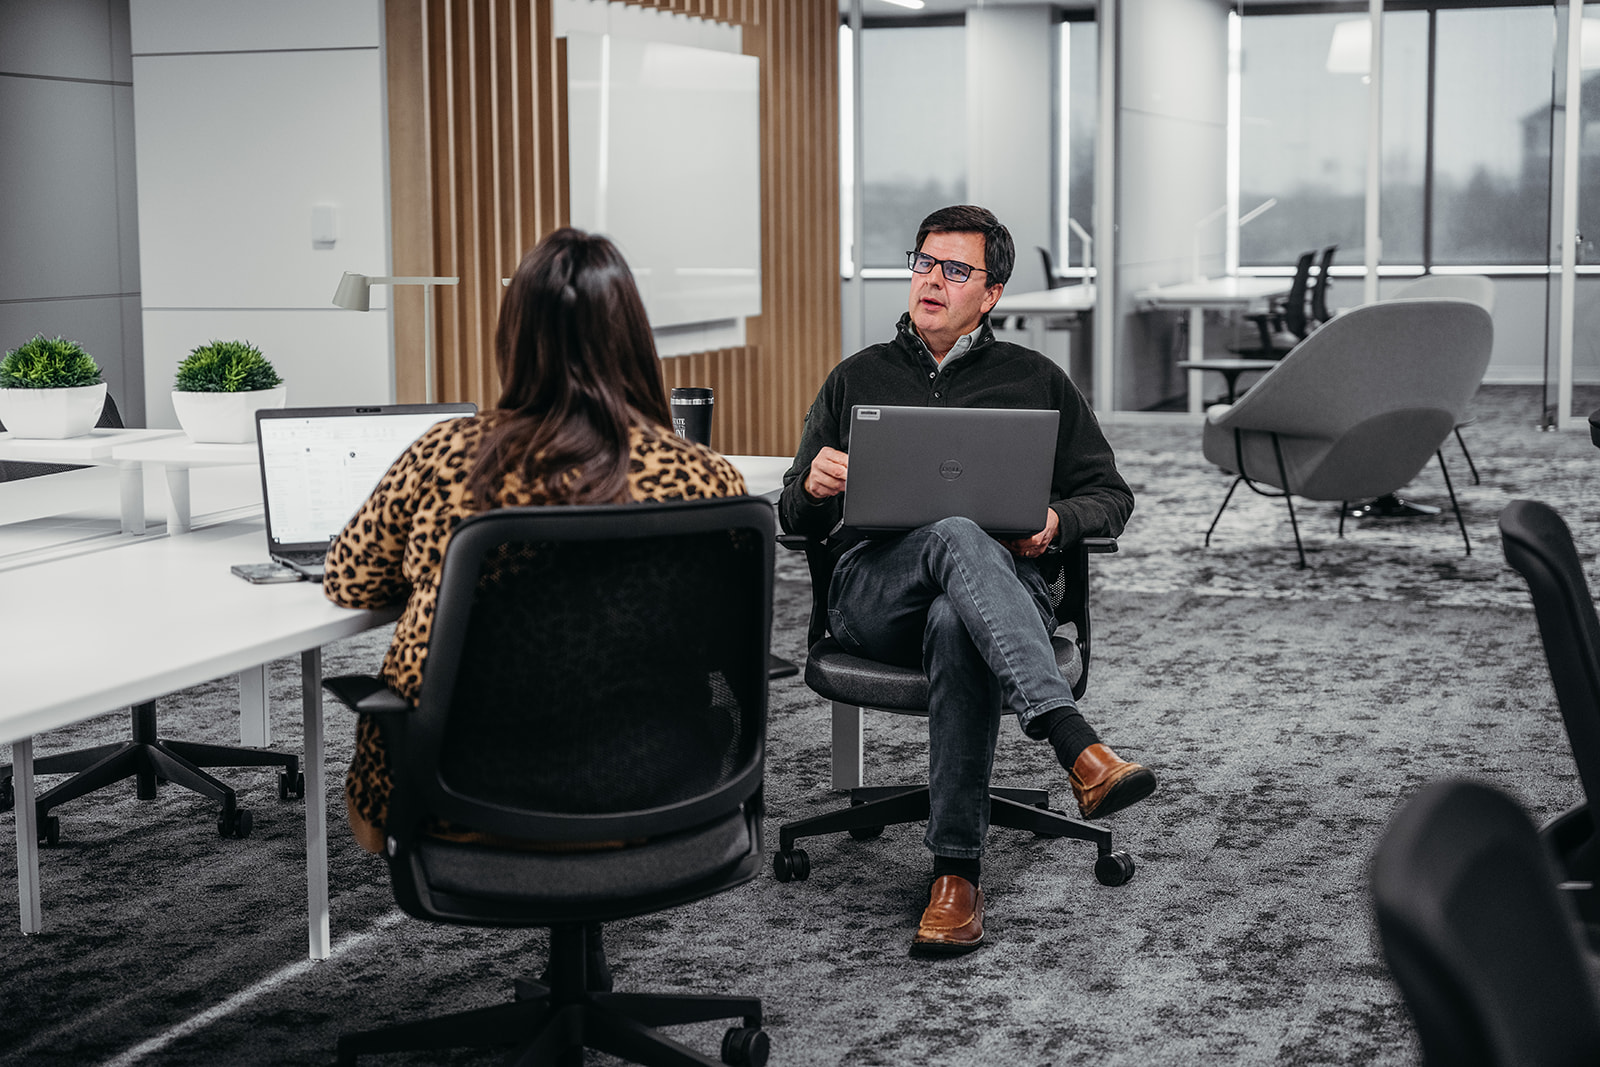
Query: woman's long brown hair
(579, 363)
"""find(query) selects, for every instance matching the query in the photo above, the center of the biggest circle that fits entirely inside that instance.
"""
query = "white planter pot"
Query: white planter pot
(224, 418)
(52, 413)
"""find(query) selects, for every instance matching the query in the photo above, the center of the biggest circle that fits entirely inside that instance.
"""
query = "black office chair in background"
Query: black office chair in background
(1484, 948)
(1287, 322)
(853, 684)
(1050, 279)
(145, 757)
(1538, 545)
(594, 674)
(1320, 312)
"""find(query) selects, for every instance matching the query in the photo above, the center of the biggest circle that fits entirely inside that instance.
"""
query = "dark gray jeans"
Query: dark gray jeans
(952, 600)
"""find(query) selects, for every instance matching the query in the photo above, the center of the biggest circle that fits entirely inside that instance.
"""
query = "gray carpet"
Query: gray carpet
(1287, 712)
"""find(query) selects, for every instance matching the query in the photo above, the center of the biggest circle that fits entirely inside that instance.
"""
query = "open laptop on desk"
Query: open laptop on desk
(910, 466)
(319, 465)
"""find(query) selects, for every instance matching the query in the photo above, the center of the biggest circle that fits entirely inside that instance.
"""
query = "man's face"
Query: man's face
(943, 311)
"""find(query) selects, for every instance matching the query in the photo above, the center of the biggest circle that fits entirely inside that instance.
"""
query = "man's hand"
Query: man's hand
(1033, 547)
(827, 475)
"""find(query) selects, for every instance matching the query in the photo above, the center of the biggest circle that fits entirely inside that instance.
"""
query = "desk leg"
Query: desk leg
(27, 836)
(255, 725)
(1197, 351)
(177, 500)
(316, 805)
(131, 476)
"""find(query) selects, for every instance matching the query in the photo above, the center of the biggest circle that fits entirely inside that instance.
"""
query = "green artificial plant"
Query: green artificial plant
(44, 363)
(225, 367)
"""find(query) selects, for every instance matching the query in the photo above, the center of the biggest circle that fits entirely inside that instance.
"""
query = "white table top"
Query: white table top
(99, 631)
(763, 475)
(96, 446)
(1067, 300)
(179, 451)
(1228, 292)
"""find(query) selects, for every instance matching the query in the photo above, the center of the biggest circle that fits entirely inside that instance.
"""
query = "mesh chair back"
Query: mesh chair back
(1295, 318)
(1539, 546)
(594, 673)
(1319, 292)
(1478, 937)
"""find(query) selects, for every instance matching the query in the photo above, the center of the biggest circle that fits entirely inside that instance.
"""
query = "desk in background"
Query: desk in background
(95, 448)
(1072, 301)
(194, 622)
(1232, 293)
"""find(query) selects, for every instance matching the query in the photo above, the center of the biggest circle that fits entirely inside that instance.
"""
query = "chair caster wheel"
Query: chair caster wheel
(866, 833)
(1113, 868)
(744, 1046)
(791, 863)
(235, 824)
(296, 788)
(50, 831)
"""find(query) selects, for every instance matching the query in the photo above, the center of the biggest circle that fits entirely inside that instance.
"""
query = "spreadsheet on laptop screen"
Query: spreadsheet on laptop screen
(317, 470)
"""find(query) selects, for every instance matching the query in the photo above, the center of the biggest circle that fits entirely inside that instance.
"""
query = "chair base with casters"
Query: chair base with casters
(1288, 498)
(149, 760)
(554, 1019)
(852, 683)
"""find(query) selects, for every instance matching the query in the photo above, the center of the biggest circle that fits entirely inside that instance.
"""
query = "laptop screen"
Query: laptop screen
(318, 465)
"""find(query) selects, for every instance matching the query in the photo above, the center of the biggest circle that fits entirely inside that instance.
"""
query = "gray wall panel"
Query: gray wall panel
(96, 324)
(58, 38)
(58, 234)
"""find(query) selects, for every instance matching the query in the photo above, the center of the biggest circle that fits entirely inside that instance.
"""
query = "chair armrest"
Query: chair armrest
(1101, 545)
(360, 692)
(793, 542)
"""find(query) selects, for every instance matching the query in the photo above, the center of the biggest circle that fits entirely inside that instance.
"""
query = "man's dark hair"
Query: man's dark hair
(999, 254)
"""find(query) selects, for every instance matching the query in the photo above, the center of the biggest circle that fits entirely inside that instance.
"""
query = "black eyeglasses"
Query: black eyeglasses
(954, 269)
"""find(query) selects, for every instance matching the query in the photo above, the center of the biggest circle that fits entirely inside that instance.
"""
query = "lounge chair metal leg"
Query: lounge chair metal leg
(1451, 490)
(1288, 498)
(1344, 506)
(1218, 515)
(1473, 467)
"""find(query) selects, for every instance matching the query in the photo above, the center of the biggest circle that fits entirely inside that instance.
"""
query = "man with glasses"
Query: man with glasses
(974, 612)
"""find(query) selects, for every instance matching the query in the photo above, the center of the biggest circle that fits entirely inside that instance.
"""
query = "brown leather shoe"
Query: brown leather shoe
(1104, 784)
(953, 921)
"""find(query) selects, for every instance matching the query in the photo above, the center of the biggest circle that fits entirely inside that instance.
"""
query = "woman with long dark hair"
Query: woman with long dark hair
(583, 419)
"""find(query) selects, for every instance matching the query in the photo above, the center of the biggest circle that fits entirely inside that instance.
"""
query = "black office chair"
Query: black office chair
(145, 757)
(1539, 546)
(594, 674)
(1319, 292)
(852, 683)
(1050, 279)
(1288, 322)
(1483, 947)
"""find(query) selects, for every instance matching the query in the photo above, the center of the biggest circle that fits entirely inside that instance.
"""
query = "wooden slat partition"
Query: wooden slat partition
(478, 171)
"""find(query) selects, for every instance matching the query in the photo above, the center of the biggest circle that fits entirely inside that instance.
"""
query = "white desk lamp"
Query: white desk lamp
(355, 294)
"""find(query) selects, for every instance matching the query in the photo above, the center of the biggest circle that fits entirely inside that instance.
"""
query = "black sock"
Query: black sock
(1066, 730)
(971, 869)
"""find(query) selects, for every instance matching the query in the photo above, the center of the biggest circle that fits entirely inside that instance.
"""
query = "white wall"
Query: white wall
(69, 241)
(248, 115)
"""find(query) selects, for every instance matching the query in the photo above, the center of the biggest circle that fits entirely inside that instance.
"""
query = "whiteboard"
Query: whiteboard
(664, 157)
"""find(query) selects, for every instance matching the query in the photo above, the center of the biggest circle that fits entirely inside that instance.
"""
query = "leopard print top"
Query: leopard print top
(392, 550)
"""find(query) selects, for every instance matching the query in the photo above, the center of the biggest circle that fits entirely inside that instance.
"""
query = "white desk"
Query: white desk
(763, 475)
(176, 455)
(1074, 301)
(95, 448)
(193, 621)
(1230, 293)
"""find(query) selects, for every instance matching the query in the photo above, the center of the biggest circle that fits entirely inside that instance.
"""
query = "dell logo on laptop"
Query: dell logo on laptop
(950, 470)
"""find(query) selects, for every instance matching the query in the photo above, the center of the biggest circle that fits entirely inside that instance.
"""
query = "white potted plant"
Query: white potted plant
(50, 389)
(218, 388)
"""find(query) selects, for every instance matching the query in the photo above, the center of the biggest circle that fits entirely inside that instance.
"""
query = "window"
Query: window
(1077, 112)
(1491, 194)
(1303, 137)
(914, 132)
